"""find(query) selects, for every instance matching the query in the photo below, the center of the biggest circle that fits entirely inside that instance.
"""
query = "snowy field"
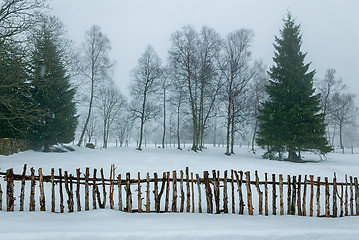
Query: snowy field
(112, 224)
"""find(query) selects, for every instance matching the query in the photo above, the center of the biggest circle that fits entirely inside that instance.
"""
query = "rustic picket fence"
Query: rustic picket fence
(220, 194)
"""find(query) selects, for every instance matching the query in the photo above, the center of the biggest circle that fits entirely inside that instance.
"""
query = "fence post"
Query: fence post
(94, 189)
(87, 207)
(225, 194)
(32, 193)
(356, 195)
(148, 201)
(128, 193)
(311, 195)
(327, 195)
(294, 195)
(10, 190)
(174, 195)
(274, 195)
(260, 194)
(304, 209)
(139, 194)
(22, 194)
(188, 208)
(281, 194)
(346, 195)
(182, 192)
(335, 192)
(192, 187)
(216, 190)
(318, 197)
(351, 196)
(299, 204)
(61, 194)
(78, 190)
(208, 193)
(199, 194)
(249, 193)
(119, 184)
(52, 190)
(167, 191)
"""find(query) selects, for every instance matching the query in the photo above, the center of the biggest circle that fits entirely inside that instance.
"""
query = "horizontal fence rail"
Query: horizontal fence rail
(184, 191)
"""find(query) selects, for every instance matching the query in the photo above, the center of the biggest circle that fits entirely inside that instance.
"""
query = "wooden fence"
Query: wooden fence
(235, 192)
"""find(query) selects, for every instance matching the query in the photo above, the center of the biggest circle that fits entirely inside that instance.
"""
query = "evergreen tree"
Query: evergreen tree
(51, 88)
(17, 110)
(290, 120)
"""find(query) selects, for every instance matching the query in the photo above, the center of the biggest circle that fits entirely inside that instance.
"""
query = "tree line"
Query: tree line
(210, 89)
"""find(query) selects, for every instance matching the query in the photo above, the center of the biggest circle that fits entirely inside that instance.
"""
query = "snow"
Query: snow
(113, 224)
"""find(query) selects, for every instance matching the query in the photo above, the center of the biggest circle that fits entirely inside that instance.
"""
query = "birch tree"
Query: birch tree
(144, 87)
(95, 66)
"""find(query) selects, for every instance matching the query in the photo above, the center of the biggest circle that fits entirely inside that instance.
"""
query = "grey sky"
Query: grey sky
(330, 28)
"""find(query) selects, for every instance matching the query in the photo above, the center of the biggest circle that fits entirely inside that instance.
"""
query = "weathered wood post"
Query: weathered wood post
(174, 194)
(139, 193)
(148, 195)
(318, 197)
(94, 189)
(294, 195)
(182, 192)
(167, 191)
(274, 212)
(260, 194)
(192, 188)
(22, 194)
(119, 185)
(225, 194)
(335, 192)
(299, 204)
(60, 191)
(155, 192)
(52, 190)
(199, 194)
(32, 191)
(42, 194)
(0, 198)
(356, 195)
(102, 204)
(266, 209)
(10, 190)
(304, 212)
(70, 202)
(208, 193)
(232, 187)
(78, 199)
(188, 205)
(249, 193)
(112, 186)
(240, 195)
(346, 195)
(281, 194)
(289, 194)
(216, 190)
(327, 195)
(128, 193)
(311, 195)
(87, 176)
(351, 196)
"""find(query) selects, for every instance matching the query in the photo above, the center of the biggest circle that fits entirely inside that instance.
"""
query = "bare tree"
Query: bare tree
(328, 88)
(110, 103)
(258, 93)
(95, 65)
(124, 126)
(345, 112)
(164, 88)
(143, 88)
(234, 70)
(17, 16)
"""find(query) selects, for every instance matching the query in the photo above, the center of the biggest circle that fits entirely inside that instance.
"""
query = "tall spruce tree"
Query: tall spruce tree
(290, 120)
(52, 89)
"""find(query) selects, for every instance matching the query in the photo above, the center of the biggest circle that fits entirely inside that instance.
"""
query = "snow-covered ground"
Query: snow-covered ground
(112, 224)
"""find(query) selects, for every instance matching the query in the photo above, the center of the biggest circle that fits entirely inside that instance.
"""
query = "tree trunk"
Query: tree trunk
(89, 113)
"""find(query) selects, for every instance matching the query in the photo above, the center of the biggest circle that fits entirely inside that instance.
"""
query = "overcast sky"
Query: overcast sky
(330, 28)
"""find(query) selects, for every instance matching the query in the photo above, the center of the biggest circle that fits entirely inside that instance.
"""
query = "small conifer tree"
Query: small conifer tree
(290, 121)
